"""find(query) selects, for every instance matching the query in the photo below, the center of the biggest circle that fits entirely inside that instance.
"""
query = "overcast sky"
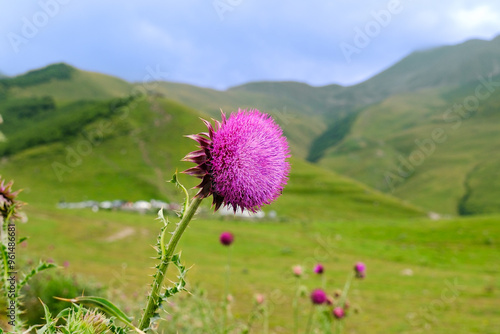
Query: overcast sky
(225, 43)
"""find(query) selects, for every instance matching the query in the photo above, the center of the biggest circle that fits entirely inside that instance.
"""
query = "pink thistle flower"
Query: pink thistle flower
(319, 269)
(226, 238)
(259, 298)
(297, 270)
(242, 161)
(318, 296)
(359, 269)
(9, 206)
(338, 312)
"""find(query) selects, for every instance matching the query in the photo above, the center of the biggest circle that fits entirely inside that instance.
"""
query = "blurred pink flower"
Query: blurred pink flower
(338, 312)
(297, 270)
(226, 238)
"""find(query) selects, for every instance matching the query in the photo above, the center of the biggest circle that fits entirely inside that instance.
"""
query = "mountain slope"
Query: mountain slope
(129, 153)
(299, 122)
(448, 66)
(425, 149)
(64, 83)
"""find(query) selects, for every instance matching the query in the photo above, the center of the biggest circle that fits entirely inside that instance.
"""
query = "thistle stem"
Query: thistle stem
(347, 286)
(309, 320)
(226, 301)
(296, 308)
(154, 297)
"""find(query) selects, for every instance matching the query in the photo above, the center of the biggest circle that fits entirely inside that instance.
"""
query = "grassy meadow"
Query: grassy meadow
(412, 264)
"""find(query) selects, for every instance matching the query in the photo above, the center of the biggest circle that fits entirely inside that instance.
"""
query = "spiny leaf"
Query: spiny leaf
(175, 180)
(50, 324)
(41, 266)
(161, 217)
(178, 286)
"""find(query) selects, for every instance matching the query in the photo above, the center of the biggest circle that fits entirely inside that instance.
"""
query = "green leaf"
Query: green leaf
(50, 324)
(161, 217)
(21, 240)
(181, 284)
(41, 266)
(175, 180)
(106, 306)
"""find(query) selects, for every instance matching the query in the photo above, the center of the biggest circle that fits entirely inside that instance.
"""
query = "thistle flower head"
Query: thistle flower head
(359, 269)
(319, 269)
(9, 206)
(297, 270)
(241, 161)
(259, 298)
(81, 320)
(318, 296)
(226, 238)
(338, 312)
(95, 321)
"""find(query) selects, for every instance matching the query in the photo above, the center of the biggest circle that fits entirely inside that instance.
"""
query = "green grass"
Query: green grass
(460, 251)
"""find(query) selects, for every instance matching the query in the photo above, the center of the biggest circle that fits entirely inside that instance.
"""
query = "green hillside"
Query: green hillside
(367, 131)
(64, 83)
(447, 66)
(418, 148)
(130, 152)
(301, 122)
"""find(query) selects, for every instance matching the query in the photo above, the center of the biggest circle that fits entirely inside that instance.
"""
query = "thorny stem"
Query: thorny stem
(154, 297)
(296, 308)
(309, 320)
(343, 299)
(226, 297)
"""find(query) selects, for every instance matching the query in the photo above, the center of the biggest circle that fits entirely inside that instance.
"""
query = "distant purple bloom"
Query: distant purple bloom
(319, 269)
(338, 312)
(318, 296)
(226, 238)
(242, 161)
(359, 269)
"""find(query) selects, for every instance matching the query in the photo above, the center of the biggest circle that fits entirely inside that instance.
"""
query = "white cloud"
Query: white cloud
(476, 19)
